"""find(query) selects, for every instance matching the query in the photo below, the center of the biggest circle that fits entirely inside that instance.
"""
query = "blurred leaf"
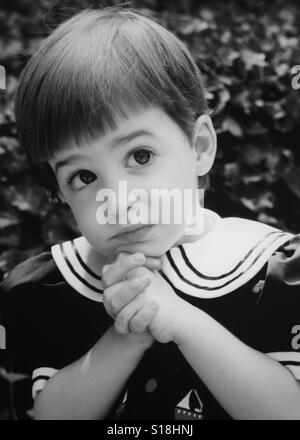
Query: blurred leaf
(194, 26)
(282, 69)
(252, 59)
(232, 126)
(7, 220)
(263, 201)
(224, 97)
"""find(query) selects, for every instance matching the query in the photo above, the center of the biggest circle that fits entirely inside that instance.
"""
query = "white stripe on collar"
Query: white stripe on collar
(221, 262)
(75, 271)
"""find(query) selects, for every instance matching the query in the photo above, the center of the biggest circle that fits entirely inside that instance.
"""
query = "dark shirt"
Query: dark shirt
(51, 324)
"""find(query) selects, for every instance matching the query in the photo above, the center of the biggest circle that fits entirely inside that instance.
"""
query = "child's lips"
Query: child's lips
(140, 233)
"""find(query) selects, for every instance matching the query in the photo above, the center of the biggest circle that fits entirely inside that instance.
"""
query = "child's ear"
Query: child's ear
(204, 144)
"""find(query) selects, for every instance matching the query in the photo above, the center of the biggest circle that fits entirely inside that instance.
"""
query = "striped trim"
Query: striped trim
(236, 276)
(75, 273)
(191, 268)
(69, 262)
(43, 371)
(40, 377)
(295, 370)
(219, 277)
(290, 360)
(182, 276)
(38, 386)
(93, 274)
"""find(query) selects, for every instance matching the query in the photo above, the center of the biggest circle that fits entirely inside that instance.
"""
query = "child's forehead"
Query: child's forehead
(134, 123)
(136, 118)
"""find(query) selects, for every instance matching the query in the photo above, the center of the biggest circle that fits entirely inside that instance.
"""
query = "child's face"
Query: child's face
(147, 150)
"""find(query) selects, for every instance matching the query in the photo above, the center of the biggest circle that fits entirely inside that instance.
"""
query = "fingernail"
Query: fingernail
(143, 280)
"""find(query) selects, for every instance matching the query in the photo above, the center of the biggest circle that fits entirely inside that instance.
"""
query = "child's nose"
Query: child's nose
(118, 201)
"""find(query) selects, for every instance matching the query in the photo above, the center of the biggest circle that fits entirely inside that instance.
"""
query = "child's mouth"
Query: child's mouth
(139, 234)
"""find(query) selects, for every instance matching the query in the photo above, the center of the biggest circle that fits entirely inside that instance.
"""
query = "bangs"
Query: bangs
(94, 69)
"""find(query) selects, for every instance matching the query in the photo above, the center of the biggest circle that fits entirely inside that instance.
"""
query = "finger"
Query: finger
(122, 255)
(125, 315)
(153, 263)
(118, 295)
(141, 320)
(119, 257)
(138, 272)
(118, 270)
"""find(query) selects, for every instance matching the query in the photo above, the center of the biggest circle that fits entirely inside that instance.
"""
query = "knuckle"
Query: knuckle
(120, 321)
(137, 284)
(142, 271)
(143, 315)
(136, 325)
(119, 327)
(134, 283)
(153, 306)
(132, 274)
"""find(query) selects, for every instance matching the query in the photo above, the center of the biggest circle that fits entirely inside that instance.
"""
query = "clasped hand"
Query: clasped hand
(140, 301)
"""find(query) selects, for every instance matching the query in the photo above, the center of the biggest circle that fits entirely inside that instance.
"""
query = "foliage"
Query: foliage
(245, 50)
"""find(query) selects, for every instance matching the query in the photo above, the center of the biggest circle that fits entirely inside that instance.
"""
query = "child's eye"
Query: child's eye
(140, 156)
(85, 177)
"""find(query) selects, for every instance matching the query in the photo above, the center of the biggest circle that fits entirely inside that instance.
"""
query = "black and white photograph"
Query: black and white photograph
(150, 294)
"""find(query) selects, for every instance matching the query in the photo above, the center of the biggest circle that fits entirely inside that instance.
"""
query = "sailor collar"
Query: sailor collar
(222, 261)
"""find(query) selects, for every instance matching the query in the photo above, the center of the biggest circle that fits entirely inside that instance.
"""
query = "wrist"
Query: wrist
(188, 320)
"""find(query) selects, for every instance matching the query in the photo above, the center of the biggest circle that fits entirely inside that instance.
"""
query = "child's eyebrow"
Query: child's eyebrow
(128, 137)
(61, 163)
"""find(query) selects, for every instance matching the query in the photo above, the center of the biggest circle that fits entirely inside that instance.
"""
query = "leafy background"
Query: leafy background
(246, 51)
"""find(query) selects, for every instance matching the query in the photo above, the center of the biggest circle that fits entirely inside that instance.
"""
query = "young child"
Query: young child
(155, 322)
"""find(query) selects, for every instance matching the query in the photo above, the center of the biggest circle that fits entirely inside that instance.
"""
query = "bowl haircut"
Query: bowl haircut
(94, 68)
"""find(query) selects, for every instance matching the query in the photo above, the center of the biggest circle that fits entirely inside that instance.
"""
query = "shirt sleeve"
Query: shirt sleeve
(48, 325)
(277, 314)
